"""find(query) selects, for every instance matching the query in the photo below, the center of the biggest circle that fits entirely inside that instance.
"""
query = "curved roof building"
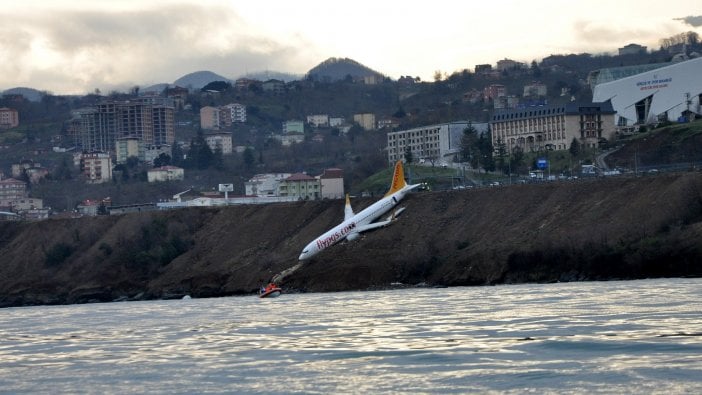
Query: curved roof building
(666, 93)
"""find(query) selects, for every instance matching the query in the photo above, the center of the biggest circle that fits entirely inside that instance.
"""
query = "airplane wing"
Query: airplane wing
(394, 214)
(374, 225)
(390, 218)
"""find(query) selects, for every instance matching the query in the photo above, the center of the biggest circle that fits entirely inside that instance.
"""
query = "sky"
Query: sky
(77, 46)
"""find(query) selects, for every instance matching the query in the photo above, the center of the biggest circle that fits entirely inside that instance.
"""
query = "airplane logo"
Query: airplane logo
(354, 224)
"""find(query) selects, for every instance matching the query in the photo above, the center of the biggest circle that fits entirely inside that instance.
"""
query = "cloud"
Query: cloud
(694, 21)
(605, 37)
(79, 50)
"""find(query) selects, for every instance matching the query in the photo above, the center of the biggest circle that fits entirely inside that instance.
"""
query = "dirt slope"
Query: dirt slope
(600, 229)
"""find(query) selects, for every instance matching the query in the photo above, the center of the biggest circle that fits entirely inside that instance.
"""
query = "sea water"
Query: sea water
(582, 337)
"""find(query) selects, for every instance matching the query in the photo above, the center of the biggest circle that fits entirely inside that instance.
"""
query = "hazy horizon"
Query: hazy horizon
(77, 46)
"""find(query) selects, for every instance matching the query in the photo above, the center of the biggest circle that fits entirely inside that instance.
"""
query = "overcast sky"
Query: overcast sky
(76, 46)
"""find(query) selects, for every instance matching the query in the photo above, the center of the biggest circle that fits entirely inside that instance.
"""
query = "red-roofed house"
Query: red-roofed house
(300, 185)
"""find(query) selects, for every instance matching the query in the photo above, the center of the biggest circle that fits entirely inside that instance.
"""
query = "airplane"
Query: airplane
(354, 224)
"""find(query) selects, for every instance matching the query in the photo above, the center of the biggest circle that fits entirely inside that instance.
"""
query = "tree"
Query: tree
(486, 149)
(249, 158)
(574, 148)
(354, 132)
(218, 158)
(63, 170)
(408, 155)
(219, 86)
(200, 155)
(132, 162)
(162, 160)
(177, 155)
(502, 164)
(535, 70)
(468, 145)
(120, 169)
(517, 156)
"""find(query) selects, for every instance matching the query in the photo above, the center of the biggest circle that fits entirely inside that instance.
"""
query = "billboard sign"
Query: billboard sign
(226, 187)
(542, 163)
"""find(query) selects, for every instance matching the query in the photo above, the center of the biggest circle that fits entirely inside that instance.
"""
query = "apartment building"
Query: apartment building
(336, 121)
(163, 119)
(214, 118)
(289, 139)
(274, 86)
(232, 113)
(553, 127)
(366, 121)
(318, 120)
(535, 89)
(209, 118)
(509, 64)
(494, 91)
(96, 128)
(128, 146)
(439, 142)
(96, 167)
(9, 118)
(165, 173)
(221, 141)
(264, 184)
(300, 186)
(12, 190)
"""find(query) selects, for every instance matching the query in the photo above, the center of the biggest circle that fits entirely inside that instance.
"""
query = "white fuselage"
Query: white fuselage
(355, 224)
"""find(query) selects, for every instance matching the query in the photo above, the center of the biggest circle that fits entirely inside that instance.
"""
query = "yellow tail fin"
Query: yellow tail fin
(398, 179)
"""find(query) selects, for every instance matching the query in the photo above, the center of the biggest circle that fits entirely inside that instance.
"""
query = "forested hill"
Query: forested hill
(335, 69)
(615, 228)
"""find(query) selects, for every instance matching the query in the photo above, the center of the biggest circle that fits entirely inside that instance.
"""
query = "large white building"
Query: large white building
(552, 127)
(666, 93)
(435, 142)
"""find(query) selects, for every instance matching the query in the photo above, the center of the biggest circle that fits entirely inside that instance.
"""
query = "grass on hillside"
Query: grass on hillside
(379, 182)
(11, 136)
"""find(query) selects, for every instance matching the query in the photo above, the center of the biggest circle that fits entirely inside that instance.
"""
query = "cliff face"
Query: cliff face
(603, 229)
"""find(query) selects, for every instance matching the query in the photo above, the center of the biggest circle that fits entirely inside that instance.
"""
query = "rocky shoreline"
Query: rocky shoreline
(620, 228)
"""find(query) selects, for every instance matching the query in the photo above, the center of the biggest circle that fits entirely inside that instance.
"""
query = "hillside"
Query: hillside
(198, 79)
(621, 228)
(30, 94)
(336, 69)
